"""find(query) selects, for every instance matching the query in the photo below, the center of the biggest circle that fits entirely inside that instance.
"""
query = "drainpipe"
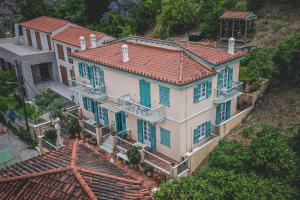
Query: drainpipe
(17, 34)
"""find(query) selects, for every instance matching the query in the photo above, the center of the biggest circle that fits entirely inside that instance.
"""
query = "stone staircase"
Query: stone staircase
(107, 145)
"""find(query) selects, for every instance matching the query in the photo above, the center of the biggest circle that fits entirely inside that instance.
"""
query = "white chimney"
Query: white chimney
(93, 40)
(125, 53)
(82, 43)
(17, 33)
(231, 43)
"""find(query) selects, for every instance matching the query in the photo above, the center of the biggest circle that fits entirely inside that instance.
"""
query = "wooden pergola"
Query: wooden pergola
(239, 25)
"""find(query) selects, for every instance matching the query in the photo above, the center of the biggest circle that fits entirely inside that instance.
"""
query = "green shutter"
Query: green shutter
(96, 111)
(208, 89)
(145, 96)
(230, 73)
(140, 131)
(80, 66)
(153, 137)
(91, 75)
(105, 116)
(164, 95)
(195, 139)
(165, 137)
(228, 109)
(208, 128)
(123, 118)
(196, 94)
(218, 114)
(85, 103)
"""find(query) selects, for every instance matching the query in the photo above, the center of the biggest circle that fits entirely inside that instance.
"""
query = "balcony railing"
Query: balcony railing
(158, 162)
(91, 125)
(122, 141)
(47, 145)
(149, 114)
(88, 90)
(224, 95)
(182, 167)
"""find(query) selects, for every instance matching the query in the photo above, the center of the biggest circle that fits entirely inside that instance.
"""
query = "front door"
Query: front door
(120, 121)
(64, 75)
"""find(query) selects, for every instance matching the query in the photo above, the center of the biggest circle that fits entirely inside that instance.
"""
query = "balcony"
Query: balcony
(224, 95)
(149, 114)
(84, 88)
(91, 126)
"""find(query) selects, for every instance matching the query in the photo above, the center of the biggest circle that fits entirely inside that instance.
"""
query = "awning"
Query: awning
(111, 106)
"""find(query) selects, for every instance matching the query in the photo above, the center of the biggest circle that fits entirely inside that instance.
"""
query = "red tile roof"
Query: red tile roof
(235, 15)
(72, 172)
(71, 35)
(171, 66)
(45, 24)
(215, 56)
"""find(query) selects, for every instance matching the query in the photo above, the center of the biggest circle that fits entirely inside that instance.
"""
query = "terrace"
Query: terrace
(224, 95)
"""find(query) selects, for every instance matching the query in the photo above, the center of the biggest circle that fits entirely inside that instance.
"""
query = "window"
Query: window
(165, 137)
(164, 96)
(38, 40)
(29, 37)
(60, 51)
(49, 43)
(99, 77)
(224, 79)
(147, 133)
(87, 104)
(199, 133)
(223, 112)
(200, 92)
(85, 71)
(101, 115)
(69, 51)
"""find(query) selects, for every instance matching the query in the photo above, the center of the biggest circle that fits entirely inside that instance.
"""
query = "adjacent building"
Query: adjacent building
(164, 97)
(40, 55)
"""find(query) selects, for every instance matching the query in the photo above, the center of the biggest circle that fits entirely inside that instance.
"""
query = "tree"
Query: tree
(287, 58)
(2, 33)
(74, 125)
(30, 9)
(7, 97)
(270, 154)
(176, 17)
(229, 155)
(73, 10)
(134, 155)
(95, 9)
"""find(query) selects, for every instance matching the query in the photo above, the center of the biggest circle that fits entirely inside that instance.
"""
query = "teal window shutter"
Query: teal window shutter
(196, 94)
(140, 131)
(164, 96)
(105, 115)
(96, 111)
(123, 117)
(208, 128)
(228, 109)
(220, 79)
(85, 103)
(230, 73)
(153, 137)
(165, 137)
(91, 75)
(195, 134)
(80, 66)
(218, 114)
(208, 89)
(145, 96)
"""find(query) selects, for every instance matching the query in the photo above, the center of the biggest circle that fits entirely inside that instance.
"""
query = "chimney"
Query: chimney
(82, 43)
(93, 40)
(17, 33)
(231, 43)
(125, 53)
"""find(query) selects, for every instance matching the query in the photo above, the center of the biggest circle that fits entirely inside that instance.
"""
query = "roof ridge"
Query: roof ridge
(28, 176)
(74, 153)
(108, 175)
(84, 184)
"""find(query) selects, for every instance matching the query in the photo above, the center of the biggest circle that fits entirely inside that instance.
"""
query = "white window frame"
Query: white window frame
(223, 112)
(147, 133)
(97, 77)
(201, 132)
(101, 114)
(85, 71)
(224, 79)
(202, 89)
(89, 104)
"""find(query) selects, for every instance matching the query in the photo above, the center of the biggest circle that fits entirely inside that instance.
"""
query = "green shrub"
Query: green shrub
(270, 154)
(134, 155)
(248, 132)
(74, 125)
(51, 136)
(229, 155)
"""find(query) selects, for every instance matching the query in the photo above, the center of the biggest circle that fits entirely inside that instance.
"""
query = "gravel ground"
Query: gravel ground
(17, 147)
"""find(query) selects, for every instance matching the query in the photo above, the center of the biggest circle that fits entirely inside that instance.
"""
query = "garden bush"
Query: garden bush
(134, 155)
(229, 155)
(51, 136)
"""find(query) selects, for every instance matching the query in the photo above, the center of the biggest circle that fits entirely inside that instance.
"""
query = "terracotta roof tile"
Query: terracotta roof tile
(167, 65)
(235, 15)
(215, 56)
(71, 35)
(63, 174)
(45, 24)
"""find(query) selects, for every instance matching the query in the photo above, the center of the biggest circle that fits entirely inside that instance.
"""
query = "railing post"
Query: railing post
(41, 144)
(142, 155)
(98, 135)
(174, 171)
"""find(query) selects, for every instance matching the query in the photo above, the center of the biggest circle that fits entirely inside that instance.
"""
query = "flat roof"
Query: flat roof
(21, 50)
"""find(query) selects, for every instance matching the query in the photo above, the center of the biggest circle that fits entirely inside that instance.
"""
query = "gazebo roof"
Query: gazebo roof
(237, 15)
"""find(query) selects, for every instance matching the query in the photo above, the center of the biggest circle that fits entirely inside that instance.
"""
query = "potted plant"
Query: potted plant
(149, 171)
(134, 156)
(75, 127)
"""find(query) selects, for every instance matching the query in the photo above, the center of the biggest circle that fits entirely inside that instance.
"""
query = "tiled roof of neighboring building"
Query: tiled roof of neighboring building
(71, 35)
(215, 56)
(168, 65)
(45, 24)
(236, 15)
(72, 172)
